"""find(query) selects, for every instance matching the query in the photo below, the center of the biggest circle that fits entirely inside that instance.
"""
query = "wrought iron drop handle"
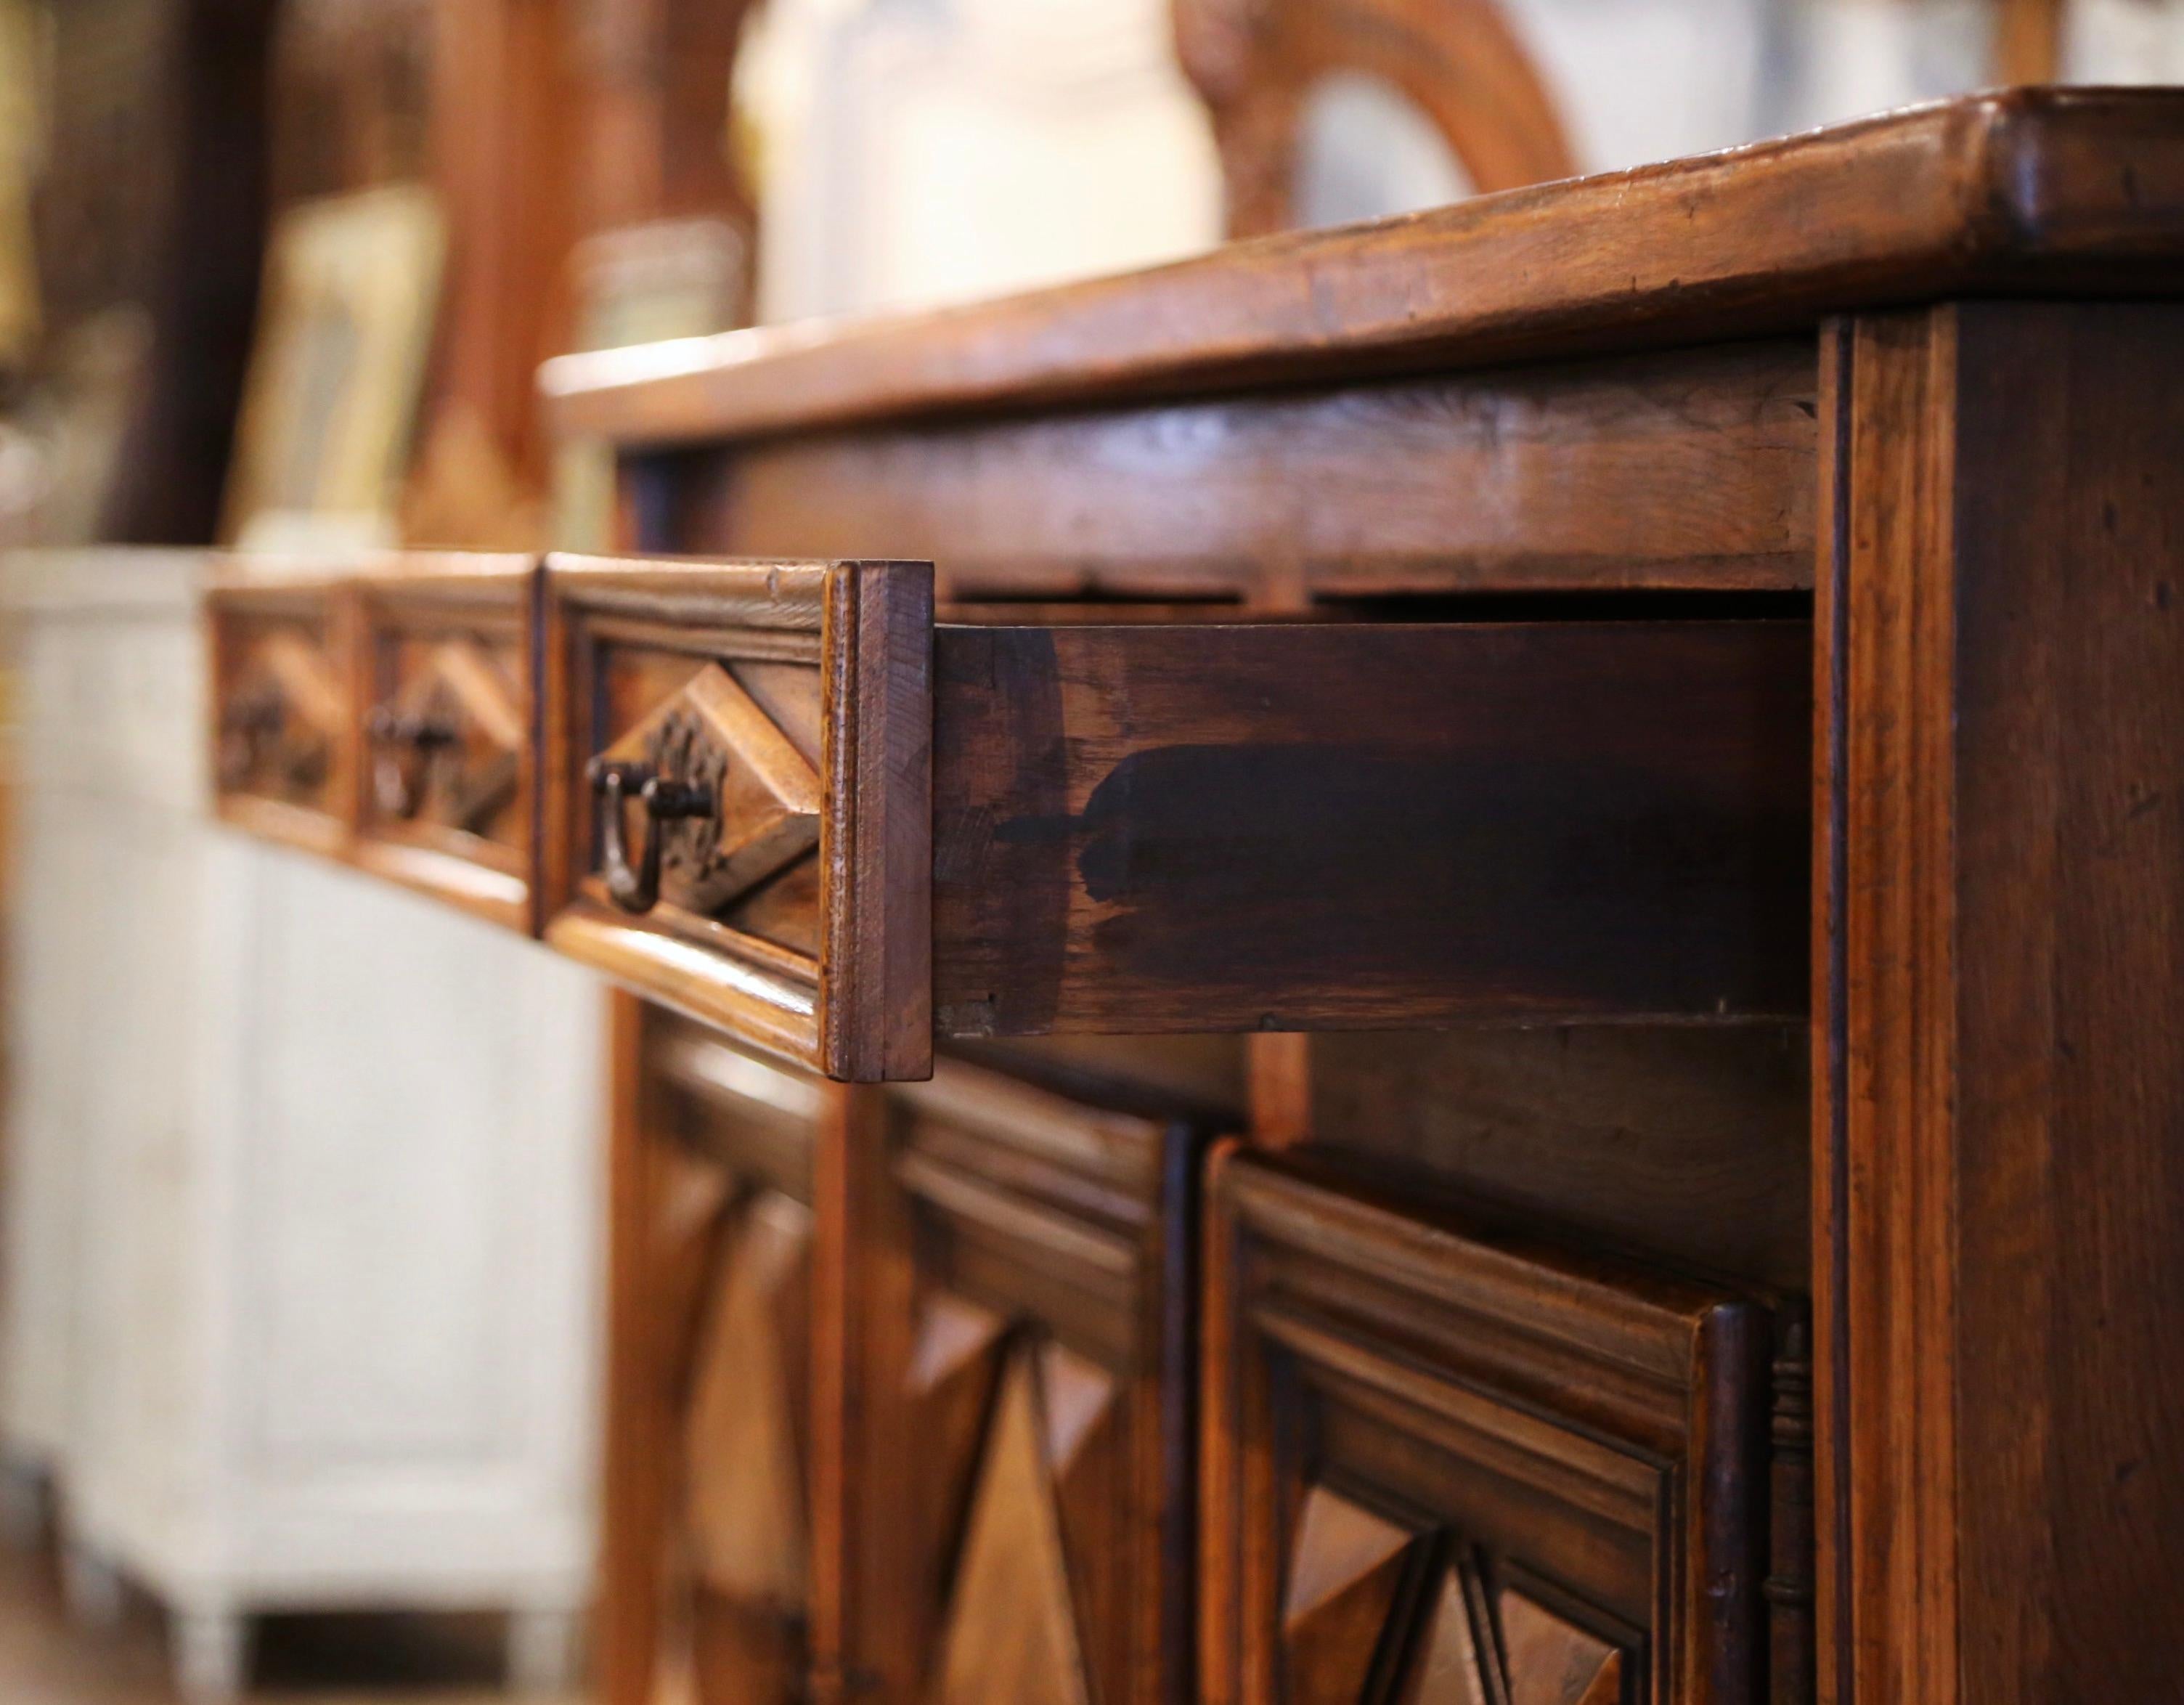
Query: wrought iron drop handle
(253, 730)
(635, 888)
(409, 744)
(247, 724)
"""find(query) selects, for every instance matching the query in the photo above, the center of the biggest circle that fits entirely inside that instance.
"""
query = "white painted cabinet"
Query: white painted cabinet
(302, 1195)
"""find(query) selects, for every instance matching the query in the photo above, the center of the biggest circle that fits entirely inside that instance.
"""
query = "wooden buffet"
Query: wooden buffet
(1433, 962)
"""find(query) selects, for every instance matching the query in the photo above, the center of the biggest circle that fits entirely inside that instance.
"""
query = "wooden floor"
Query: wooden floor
(302, 1660)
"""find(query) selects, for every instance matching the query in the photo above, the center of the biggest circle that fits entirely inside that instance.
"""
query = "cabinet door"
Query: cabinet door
(1044, 1466)
(707, 1579)
(1444, 1468)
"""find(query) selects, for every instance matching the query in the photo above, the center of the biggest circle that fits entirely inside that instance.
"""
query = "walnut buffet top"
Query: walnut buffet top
(2028, 191)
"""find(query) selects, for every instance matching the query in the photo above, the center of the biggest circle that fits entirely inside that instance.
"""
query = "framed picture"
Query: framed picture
(345, 328)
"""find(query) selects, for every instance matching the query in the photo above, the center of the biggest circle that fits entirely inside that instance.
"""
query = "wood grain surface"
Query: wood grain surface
(1693, 468)
(2001, 1284)
(1149, 829)
(2028, 191)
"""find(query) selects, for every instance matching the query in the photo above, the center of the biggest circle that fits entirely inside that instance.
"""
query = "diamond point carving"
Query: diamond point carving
(713, 743)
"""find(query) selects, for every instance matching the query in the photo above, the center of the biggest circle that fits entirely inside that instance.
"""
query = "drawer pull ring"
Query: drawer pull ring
(256, 739)
(408, 744)
(250, 726)
(665, 800)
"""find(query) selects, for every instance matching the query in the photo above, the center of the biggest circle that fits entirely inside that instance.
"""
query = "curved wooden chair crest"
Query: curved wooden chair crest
(1254, 62)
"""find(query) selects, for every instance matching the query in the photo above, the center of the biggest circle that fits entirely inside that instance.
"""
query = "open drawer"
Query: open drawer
(283, 747)
(447, 728)
(781, 797)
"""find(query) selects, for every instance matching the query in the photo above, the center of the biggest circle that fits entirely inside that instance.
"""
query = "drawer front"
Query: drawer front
(283, 751)
(1442, 1467)
(447, 731)
(710, 1536)
(1047, 1521)
(738, 798)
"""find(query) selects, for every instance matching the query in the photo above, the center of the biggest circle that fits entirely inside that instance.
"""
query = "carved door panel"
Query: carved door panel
(746, 1495)
(706, 1590)
(1443, 1470)
(1047, 1443)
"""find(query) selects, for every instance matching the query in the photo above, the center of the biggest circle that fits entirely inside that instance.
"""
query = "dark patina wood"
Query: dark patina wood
(1689, 468)
(2026, 192)
(1999, 1081)
(1472, 668)
(1143, 829)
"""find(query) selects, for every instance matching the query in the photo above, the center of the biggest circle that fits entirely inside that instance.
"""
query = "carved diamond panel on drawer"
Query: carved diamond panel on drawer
(764, 794)
(283, 741)
(448, 746)
(280, 717)
(1549, 1661)
(745, 1430)
(737, 811)
(1349, 1572)
(446, 705)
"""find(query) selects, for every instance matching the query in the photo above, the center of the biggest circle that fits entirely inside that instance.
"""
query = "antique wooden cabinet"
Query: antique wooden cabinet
(1646, 701)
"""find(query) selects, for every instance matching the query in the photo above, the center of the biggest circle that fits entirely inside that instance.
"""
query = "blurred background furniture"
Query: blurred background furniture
(1300, 95)
(301, 1207)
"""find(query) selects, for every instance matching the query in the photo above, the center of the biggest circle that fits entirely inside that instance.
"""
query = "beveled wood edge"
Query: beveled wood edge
(1037, 1229)
(445, 585)
(2018, 190)
(497, 896)
(756, 1005)
(1095, 1142)
(710, 592)
(296, 826)
(1630, 1479)
(710, 1067)
(876, 1008)
(1550, 1294)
